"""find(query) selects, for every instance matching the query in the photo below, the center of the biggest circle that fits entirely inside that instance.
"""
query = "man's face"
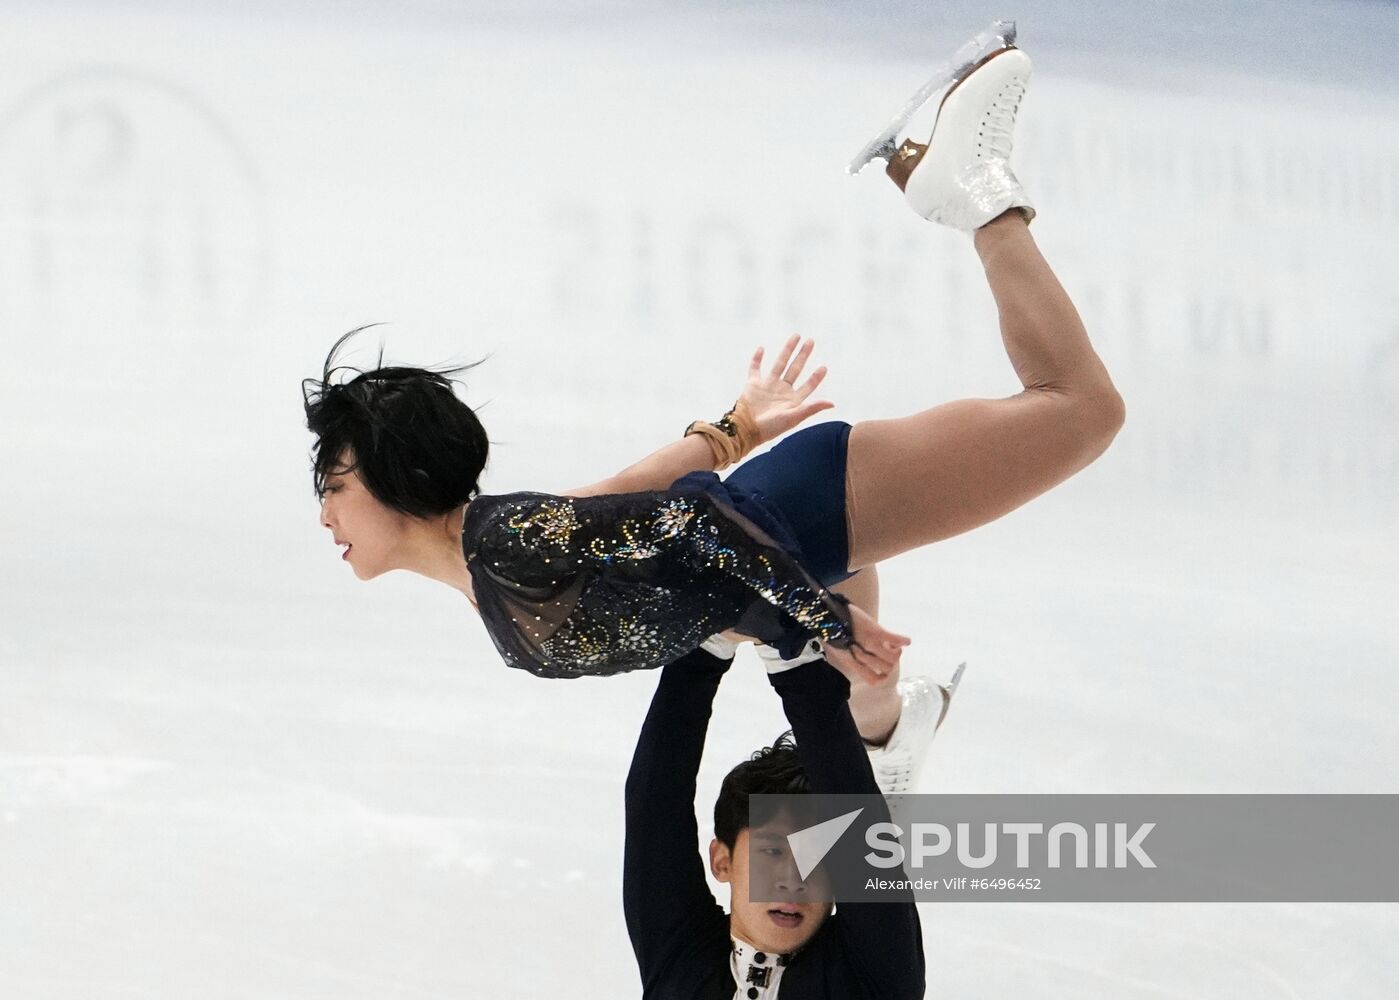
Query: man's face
(773, 927)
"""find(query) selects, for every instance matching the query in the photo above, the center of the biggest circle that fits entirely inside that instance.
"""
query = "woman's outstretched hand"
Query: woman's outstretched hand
(775, 401)
(874, 652)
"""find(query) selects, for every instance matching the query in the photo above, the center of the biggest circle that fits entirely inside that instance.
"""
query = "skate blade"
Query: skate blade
(976, 50)
(948, 690)
(951, 685)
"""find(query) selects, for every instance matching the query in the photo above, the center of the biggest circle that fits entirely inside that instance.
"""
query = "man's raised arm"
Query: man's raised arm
(883, 941)
(665, 896)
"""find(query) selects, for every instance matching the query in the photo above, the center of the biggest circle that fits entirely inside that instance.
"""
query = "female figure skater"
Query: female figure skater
(627, 574)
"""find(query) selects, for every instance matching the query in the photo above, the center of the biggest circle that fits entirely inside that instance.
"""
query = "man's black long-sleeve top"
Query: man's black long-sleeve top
(678, 931)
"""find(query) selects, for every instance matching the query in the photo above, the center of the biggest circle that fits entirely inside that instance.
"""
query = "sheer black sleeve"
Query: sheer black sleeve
(787, 606)
(570, 586)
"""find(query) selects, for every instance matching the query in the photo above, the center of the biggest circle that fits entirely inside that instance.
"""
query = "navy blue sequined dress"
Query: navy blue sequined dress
(574, 586)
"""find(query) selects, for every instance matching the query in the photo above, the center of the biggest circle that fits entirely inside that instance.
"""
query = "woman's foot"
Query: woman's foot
(962, 177)
(898, 762)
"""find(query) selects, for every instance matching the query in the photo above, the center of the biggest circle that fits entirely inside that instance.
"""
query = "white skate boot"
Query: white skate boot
(898, 762)
(962, 177)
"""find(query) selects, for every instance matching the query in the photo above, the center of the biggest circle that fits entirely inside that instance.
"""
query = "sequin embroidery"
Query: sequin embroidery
(599, 585)
(554, 520)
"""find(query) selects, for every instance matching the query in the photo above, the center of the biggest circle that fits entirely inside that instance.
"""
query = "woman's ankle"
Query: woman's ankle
(1005, 230)
(1009, 220)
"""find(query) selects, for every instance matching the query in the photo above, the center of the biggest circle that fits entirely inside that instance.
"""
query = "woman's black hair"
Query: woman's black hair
(774, 770)
(416, 446)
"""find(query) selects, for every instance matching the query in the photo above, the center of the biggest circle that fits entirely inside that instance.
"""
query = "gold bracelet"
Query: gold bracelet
(731, 437)
(721, 445)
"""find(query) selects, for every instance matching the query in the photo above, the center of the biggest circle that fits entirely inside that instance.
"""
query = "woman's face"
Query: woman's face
(374, 535)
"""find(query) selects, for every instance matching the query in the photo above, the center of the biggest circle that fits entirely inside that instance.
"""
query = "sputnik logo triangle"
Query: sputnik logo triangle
(809, 846)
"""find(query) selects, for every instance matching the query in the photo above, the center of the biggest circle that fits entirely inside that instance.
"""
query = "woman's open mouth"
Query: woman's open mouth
(346, 553)
(785, 918)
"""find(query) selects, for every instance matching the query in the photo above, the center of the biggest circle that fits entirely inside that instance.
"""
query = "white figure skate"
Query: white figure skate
(961, 177)
(899, 761)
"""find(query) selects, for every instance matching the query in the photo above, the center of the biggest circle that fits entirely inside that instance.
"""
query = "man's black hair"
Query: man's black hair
(417, 447)
(774, 770)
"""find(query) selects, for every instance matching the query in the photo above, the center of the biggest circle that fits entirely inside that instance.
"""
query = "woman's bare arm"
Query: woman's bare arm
(657, 470)
(775, 402)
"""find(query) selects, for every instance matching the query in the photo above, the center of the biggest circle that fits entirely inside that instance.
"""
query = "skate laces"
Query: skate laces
(896, 765)
(894, 780)
(998, 124)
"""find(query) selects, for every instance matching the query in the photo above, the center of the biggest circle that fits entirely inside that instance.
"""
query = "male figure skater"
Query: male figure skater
(686, 945)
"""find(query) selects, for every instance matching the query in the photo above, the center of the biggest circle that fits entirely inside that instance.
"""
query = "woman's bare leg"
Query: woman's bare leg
(946, 470)
(876, 710)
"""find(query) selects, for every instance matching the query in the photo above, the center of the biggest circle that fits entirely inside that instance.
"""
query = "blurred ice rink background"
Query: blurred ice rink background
(228, 769)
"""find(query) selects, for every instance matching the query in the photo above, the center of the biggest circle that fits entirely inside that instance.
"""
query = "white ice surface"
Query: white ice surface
(228, 769)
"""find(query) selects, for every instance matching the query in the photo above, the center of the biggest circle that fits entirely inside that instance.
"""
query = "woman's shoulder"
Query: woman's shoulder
(487, 503)
(486, 509)
(558, 511)
(495, 502)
